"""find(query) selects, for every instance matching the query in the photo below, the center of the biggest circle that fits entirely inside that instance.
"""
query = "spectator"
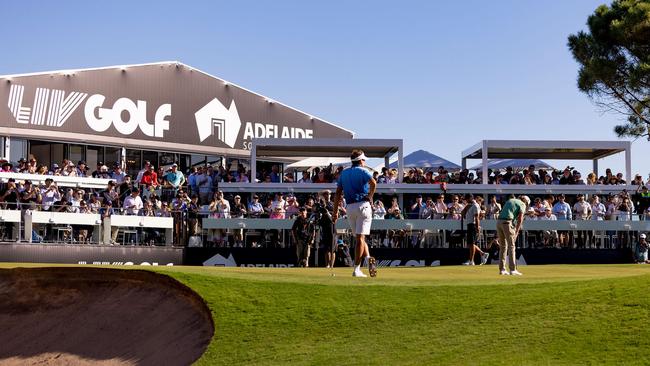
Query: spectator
(97, 172)
(242, 176)
(255, 209)
(303, 236)
(275, 174)
(414, 212)
(69, 170)
(441, 208)
(277, 207)
(305, 177)
(81, 168)
(118, 175)
(7, 167)
(291, 206)
(133, 202)
(562, 211)
(428, 211)
(383, 178)
(219, 209)
(138, 178)
(378, 210)
(191, 179)
(493, 208)
(204, 186)
(642, 198)
(582, 211)
(175, 179)
(455, 204)
(193, 215)
(110, 193)
(549, 236)
(49, 194)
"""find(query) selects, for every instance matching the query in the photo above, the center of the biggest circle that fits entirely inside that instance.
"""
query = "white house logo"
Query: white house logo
(221, 261)
(224, 123)
(215, 119)
(53, 108)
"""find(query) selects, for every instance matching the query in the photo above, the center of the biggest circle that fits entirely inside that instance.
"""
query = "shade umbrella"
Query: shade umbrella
(422, 159)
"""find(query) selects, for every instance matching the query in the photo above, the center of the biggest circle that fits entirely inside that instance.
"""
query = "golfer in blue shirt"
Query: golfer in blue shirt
(358, 187)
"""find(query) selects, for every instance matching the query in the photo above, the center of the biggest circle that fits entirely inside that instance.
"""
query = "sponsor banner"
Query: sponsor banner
(389, 257)
(90, 254)
(165, 102)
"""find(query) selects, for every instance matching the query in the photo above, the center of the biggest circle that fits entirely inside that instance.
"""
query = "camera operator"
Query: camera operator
(303, 235)
(327, 229)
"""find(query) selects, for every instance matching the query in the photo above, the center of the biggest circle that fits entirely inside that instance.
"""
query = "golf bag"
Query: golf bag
(343, 257)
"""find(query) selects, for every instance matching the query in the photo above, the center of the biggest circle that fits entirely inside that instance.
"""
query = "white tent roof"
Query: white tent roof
(318, 161)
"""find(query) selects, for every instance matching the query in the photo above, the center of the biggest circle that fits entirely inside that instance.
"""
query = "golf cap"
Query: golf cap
(642, 236)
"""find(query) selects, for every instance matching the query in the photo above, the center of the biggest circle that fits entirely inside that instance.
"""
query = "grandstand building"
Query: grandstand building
(162, 112)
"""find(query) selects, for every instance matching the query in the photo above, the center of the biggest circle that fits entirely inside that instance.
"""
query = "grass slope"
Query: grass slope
(448, 315)
(553, 315)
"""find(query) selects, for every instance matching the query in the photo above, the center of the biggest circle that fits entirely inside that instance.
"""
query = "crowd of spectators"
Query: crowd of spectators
(528, 176)
(187, 198)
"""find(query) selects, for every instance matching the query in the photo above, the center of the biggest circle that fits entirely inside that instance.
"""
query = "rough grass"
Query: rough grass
(553, 315)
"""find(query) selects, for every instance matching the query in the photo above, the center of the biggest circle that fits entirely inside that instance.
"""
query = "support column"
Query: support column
(484, 159)
(628, 163)
(400, 161)
(28, 226)
(595, 168)
(253, 163)
(106, 231)
(6, 150)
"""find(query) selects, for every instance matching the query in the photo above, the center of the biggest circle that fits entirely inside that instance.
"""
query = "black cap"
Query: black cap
(81, 162)
(302, 209)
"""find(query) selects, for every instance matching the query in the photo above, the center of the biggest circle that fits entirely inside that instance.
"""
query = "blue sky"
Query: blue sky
(442, 75)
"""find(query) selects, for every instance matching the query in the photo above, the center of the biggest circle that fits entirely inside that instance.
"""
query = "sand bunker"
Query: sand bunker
(76, 316)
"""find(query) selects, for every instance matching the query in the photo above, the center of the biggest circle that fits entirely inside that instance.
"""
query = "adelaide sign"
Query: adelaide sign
(166, 103)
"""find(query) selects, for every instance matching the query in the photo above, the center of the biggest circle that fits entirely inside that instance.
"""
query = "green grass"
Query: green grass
(553, 315)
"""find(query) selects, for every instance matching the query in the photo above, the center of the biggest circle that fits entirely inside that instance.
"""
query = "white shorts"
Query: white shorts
(360, 217)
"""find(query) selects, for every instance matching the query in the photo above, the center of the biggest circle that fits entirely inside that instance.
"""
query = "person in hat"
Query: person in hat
(358, 187)
(509, 224)
(255, 208)
(303, 235)
(97, 172)
(175, 178)
(7, 167)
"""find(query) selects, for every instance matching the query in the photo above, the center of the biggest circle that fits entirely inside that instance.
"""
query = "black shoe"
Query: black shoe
(372, 266)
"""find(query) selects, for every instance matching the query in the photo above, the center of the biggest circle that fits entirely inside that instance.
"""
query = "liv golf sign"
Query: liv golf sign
(168, 103)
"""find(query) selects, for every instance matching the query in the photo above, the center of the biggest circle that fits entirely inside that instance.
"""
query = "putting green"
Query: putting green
(588, 314)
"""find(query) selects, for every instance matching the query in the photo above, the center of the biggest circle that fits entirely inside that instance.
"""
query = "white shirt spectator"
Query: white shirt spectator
(49, 196)
(598, 211)
(132, 204)
(582, 210)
